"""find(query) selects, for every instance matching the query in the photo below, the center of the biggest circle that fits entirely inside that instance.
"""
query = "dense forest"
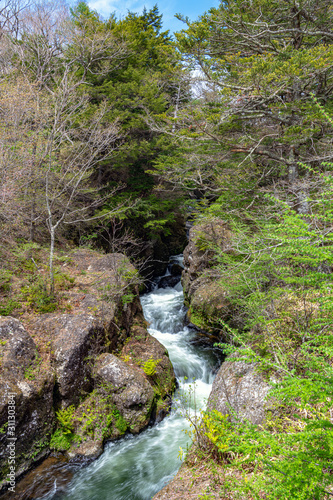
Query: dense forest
(113, 132)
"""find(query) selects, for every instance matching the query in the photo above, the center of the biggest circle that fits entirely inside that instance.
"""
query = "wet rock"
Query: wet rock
(90, 450)
(160, 258)
(41, 480)
(176, 269)
(164, 246)
(238, 388)
(169, 281)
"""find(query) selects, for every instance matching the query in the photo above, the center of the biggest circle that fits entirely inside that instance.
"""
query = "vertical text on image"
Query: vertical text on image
(11, 441)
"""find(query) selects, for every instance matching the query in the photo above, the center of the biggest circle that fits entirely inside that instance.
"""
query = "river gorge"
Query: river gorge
(137, 467)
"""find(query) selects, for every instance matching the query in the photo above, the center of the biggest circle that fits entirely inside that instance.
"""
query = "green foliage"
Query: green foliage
(120, 422)
(5, 280)
(256, 117)
(8, 306)
(65, 419)
(128, 298)
(37, 297)
(280, 278)
(64, 435)
(61, 441)
(142, 82)
(149, 367)
(32, 371)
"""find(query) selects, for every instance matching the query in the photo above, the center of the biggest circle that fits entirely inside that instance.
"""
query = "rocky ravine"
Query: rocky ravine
(82, 377)
(237, 384)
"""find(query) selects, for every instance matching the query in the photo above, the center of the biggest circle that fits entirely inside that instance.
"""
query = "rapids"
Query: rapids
(137, 467)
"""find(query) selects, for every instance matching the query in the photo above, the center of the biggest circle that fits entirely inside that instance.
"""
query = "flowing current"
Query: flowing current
(137, 467)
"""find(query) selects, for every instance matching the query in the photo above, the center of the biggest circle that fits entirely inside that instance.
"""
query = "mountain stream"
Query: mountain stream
(137, 467)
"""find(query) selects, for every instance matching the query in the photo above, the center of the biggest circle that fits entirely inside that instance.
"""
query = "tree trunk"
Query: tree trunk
(52, 234)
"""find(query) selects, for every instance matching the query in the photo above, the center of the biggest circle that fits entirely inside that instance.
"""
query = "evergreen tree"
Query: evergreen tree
(142, 83)
(255, 119)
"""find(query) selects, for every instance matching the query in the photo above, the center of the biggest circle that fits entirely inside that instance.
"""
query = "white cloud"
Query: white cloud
(120, 7)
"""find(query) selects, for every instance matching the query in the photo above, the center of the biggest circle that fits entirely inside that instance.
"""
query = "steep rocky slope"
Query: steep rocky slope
(85, 375)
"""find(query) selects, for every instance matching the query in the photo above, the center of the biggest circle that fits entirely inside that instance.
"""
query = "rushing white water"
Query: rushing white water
(137, 467)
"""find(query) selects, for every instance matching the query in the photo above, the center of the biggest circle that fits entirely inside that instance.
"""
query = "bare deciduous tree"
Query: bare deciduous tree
(10, 16)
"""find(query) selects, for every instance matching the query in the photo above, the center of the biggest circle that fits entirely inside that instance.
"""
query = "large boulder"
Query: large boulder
(75, 341)
(204, 239)
(18, 350)
(132, 393)
(65, 365)
(26, 393)
(122, 401)
(239, 390)
(142, 348)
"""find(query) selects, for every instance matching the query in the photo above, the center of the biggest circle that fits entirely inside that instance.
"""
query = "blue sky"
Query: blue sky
(190, 8)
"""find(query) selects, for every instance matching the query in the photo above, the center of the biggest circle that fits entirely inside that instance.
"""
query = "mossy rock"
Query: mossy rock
(209, 305)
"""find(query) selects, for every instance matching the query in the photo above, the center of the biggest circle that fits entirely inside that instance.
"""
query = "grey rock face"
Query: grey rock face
(206, 299)
(239, 388)
(32, 395)
(73, 366)
(196, 257)
(76, 339)
(132, 393)
(18, 350)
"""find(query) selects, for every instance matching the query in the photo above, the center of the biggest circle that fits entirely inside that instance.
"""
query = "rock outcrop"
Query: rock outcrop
(26, 393)
(206, 299)
(239, 390)
(72, 391)
(132, 393)
(75, 339)
(142, 349)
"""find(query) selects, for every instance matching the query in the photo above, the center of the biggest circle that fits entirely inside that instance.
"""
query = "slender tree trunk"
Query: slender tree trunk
(175, 115)
(293, 167)
(33, 202)
(51, 271)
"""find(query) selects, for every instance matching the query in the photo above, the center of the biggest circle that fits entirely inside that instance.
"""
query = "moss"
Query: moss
(97, 418)
(149, 367)
(121, 424)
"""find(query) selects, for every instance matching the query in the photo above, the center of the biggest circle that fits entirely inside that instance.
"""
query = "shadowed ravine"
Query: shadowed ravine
(139, 466)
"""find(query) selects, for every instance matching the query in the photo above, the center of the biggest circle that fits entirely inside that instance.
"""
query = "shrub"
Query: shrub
(7, 307)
